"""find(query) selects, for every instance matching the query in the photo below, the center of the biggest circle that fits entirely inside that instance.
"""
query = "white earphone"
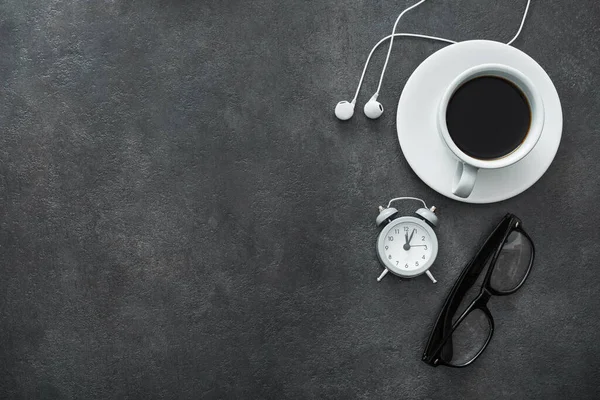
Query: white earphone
(373, 109)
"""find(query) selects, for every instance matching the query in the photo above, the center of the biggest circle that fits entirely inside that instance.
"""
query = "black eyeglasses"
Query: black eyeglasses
(465, 325)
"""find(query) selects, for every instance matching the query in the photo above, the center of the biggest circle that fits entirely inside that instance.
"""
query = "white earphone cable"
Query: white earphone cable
(394, 34)
(522, 23)
(387, 58)
(406, 198)
(362, 77)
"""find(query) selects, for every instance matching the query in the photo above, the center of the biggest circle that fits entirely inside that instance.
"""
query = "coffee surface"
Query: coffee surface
(488, 117)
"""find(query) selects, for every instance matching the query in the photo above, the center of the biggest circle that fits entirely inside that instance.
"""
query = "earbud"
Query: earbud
(344, 110)
(373, 108)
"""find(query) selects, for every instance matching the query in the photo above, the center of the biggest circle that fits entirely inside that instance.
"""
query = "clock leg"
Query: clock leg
(430, 276)
(385, 271)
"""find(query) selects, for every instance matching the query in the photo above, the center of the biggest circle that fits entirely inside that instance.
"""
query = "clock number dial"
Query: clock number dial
(409, 244)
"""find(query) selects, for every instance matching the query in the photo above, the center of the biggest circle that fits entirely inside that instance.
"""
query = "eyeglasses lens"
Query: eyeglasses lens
(512, 264)
(468, 339)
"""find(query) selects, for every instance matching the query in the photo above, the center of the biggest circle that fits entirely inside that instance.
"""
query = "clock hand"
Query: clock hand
(411, 235)
(407, 244)
(418, 245)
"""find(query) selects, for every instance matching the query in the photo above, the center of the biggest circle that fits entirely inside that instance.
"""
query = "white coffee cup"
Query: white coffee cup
(467, 167)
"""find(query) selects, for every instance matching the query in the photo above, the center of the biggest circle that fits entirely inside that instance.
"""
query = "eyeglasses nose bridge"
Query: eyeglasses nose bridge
(482, 299)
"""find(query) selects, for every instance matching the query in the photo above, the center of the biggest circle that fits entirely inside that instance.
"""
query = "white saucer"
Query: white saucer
(423, 146)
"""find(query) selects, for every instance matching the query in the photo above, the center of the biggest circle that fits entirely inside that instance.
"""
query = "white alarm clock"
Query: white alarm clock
(407, 245)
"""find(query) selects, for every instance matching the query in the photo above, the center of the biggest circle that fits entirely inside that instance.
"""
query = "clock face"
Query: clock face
(407, 246)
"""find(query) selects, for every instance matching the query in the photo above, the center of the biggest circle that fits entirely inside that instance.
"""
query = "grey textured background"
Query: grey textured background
(182, 216)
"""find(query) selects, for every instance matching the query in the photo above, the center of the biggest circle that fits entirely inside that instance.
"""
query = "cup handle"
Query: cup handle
(464, 179)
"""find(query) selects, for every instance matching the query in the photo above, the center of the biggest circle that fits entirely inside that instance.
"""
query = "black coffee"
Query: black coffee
(488, 117)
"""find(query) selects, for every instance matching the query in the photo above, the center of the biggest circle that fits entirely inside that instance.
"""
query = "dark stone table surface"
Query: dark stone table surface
(182, 216)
